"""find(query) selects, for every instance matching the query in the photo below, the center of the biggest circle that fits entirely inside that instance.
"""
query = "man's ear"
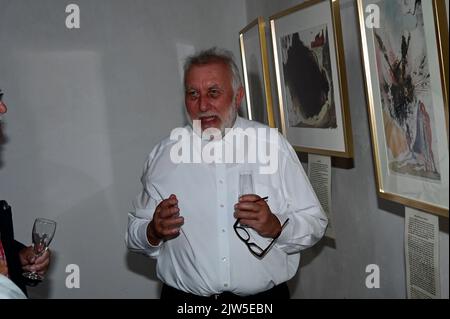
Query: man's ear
(239, 96)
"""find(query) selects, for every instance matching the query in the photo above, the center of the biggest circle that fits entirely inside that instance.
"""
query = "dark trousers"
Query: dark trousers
(276, 293)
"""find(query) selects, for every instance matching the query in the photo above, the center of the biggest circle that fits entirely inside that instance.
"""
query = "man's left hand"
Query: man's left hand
(255, 213)
(30, 262)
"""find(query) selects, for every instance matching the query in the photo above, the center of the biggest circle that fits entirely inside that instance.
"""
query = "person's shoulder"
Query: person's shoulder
(166, 143)
(163, 145)
(161, 152)
(272, 135)
(274, 139)
(244, 123)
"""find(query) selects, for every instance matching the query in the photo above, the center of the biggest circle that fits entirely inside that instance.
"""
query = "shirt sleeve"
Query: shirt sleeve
(307, 221)
(143, 208)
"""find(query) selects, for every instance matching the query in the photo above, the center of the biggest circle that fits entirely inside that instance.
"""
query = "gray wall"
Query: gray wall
(368, 230)
(85, 108)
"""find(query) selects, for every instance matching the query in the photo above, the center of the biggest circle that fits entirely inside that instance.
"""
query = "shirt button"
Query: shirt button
(225, 285)
(221, 205)
(221, 181)
(224, 259)
(223, 230)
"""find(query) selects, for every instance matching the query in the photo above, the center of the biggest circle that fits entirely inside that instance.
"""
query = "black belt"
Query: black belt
(278, 292)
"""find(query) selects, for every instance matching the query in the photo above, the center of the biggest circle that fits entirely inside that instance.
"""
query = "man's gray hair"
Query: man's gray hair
(215, 55)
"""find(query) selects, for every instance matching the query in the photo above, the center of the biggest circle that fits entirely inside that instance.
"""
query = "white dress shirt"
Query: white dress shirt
(208, 257)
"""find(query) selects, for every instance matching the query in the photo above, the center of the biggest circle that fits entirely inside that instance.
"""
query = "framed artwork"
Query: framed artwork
(311, 78)
(446, 6)
(405, 57)
(256, 72)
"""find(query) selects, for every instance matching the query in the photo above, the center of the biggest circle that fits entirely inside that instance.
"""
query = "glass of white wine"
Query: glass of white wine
(245, 186)
(42, 235)
(246, 183)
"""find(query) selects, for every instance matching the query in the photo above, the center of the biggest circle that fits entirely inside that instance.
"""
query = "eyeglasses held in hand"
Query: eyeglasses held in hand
(244, 235)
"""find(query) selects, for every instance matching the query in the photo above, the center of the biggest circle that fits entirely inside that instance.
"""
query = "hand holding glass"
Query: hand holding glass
(42, 235)
(246, 188)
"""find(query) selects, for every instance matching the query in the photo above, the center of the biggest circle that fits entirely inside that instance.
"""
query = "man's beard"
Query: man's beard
(225, 122)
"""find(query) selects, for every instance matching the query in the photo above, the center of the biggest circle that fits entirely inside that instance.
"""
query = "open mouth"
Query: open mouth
(208, 120)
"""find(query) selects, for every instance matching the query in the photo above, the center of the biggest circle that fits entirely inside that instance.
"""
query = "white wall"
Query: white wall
(368, 230)
(85, 108)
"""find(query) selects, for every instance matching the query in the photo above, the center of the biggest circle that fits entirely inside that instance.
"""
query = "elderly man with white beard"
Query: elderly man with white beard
(209, 241)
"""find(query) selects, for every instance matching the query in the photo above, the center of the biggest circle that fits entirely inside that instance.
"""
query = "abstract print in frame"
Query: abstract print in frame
(406, 72)
(311, 78)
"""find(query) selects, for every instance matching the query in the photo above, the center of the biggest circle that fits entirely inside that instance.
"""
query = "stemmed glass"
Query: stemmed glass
(42, 235)
(246, 183)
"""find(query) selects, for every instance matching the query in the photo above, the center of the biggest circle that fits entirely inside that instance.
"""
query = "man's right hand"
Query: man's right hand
(166, 223)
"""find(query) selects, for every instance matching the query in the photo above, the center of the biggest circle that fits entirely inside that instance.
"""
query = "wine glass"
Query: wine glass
(245, 185)
(42, 235)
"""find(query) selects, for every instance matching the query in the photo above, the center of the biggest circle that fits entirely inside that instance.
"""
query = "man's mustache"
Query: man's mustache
(208, 115)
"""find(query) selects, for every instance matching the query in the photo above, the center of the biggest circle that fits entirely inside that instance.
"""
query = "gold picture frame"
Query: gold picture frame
(255, 67)
(311, 78)
(405, 59)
